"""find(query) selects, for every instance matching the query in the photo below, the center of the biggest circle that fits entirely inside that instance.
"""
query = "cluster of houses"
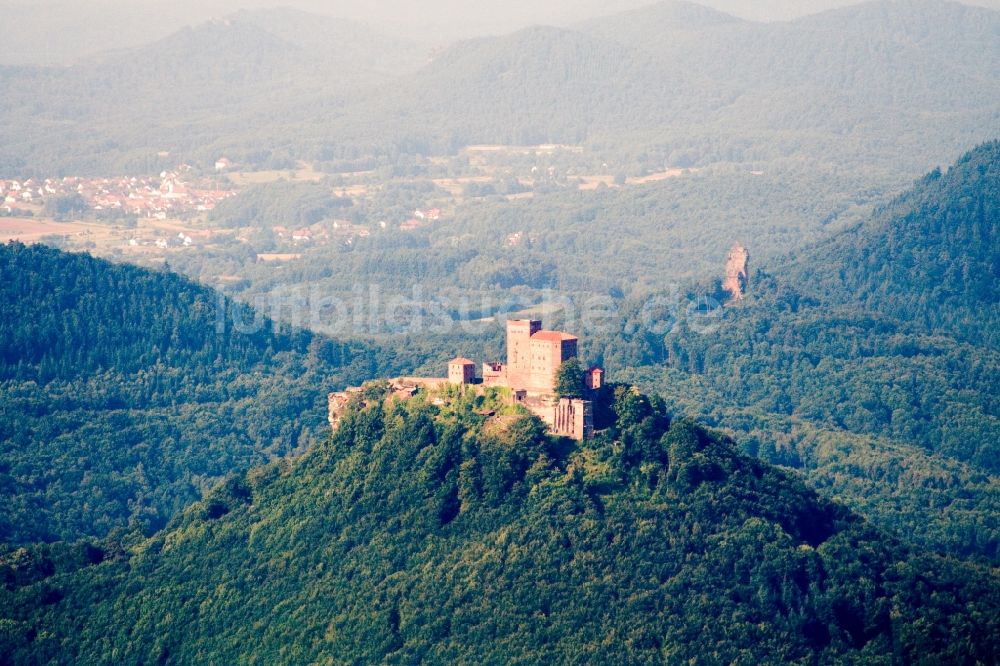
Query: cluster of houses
(322, 232)
(182, 239)
(178, 193)
(16, 193)
(346, 231)
(520, 238)
(420, 218)
(169, 194)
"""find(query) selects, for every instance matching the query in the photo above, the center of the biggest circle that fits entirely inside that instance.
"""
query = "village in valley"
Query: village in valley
(139, 214)
(261, 234)
(170, 194)
(123, 211)
(146, 217)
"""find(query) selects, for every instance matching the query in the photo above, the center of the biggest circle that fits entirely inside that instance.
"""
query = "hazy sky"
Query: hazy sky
(52, 31)
(771, 10)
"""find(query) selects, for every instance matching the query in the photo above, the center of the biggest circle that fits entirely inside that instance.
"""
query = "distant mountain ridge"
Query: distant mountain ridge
(252, 69)
(876, 86)
(917, 52)
(901, 84)
(667, 17)
(537, 85)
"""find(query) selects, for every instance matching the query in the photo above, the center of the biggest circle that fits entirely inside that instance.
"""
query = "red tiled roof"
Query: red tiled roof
(460, 360)
(553, 336)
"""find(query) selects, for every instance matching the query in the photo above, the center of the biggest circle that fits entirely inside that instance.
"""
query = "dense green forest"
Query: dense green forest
(126, 393)
(637, 240)
(929, 258)
(812, 475)
(281, 203)
(865, 361)
(868, 361)
(434, 533)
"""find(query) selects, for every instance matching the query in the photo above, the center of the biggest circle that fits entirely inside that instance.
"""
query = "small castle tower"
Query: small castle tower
(593, 379)
(461, 371)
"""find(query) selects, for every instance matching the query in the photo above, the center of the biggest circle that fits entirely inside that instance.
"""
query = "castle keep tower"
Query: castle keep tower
(548, 351)
(519, 332)
(534, 355)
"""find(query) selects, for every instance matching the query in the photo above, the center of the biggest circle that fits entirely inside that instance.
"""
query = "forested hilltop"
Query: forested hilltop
(869, 361)
(435, 532)
(807, 472)
(126, 393)
(930, 258)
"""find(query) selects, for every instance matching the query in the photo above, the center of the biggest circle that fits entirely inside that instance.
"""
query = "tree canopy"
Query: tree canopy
(569, 379)
(421, 532)
(126, 393)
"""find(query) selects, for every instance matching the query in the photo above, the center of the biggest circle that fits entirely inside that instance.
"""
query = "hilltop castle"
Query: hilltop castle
(533, 360)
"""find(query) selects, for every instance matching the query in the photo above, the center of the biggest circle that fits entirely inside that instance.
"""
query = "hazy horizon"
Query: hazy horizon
(60, 32)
